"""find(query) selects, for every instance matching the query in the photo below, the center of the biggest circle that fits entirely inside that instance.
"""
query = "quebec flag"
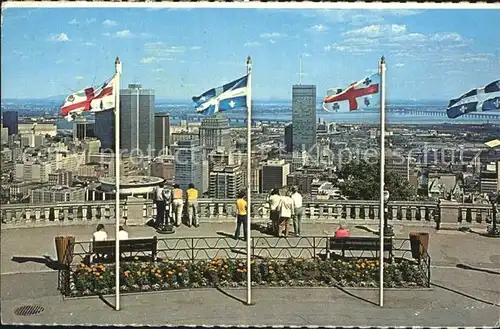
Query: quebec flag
(232, 95)
(476, 100)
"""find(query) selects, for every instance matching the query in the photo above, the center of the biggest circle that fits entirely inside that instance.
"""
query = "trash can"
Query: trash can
(64, 249)
(419, 242)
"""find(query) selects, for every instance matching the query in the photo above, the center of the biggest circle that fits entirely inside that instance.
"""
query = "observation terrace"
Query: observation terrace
(458, 296)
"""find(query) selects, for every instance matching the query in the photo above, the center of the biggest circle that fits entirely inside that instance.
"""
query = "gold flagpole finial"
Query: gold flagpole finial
(382, 60)
(249, 60)
(117, 60)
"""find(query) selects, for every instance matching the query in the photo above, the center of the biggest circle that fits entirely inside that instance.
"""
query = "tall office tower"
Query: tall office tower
(225, 182)
(214, 132)
(10, 120)
(304, 117)
(289, 137)
(188, 164)
(162, 133)
(137, 111)
(104, 129)
(5, 135)
(274, 174)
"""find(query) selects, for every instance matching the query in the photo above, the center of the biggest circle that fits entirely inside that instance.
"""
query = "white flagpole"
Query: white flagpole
(382, 179)
(249, 178)
(116, 87)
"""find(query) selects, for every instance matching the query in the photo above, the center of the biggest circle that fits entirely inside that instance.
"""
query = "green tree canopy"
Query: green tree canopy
(362, 182)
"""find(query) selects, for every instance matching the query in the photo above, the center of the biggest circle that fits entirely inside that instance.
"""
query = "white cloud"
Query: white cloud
(273, 35)
(195, 48)
(162, 51)
(59, 61)
(318, 28)
(251, 44)
(376, 31)
(447, 36)
(89, 44)
(157, 70)
(399, 65)
(90, 20)
(108, 22)
(272, 41)
(148, 60)
(61, 37)
(124, 34)
(78, 78)
(73, 21)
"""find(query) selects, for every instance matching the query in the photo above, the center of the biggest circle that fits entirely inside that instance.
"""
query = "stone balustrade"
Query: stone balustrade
(137, 211)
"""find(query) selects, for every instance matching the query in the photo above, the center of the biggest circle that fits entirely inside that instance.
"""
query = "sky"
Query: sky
(431, 54)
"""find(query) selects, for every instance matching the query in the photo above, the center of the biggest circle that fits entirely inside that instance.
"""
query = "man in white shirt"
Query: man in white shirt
(299, 210)
(122, 234)
(100, 234)
(287, 210)
(274, 215)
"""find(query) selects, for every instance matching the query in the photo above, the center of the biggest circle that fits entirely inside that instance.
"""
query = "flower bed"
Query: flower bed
(166, 275)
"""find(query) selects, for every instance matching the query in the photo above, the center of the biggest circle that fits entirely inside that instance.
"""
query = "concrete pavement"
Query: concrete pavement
(459, 297)
(452, 306)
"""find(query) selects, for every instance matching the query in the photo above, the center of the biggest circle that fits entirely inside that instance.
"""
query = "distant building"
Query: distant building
(489, 181)
(37, 128)
(289, 138)
(83, 128)
(399, 164)
(137, 127)
(162, 133)
(164, 167)
(303, 181)
(188, 163)
(274, 175)
(304, 116)
(104, 130)
(5, 135)
(10, 120)
(214, 132)
(183, 136)
(34, 171)
(61, 177)
(225, 182)
(57, 194)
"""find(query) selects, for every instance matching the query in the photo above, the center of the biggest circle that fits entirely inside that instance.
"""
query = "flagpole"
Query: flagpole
(249, 179)
(116, 87)
(382, 178)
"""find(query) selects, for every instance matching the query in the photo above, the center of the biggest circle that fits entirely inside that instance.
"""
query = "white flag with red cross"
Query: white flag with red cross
(92, 99)
(360, 95)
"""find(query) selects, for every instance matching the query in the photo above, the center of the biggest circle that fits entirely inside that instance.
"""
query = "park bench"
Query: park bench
(105, 250)
(362, 244)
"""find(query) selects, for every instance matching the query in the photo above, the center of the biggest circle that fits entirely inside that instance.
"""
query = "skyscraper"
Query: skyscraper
(10, 120)
(188, 164)
(215, 132)
(137, 112)
(304, 116)
(162, 133)
(104, 129)
(274, 174)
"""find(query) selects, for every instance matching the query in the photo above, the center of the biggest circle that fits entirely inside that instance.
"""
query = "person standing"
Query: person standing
(241, 216)
(274, 214)
(177, 204)
(298, 210)
(160, 205)
(192, 205)
(286, 213)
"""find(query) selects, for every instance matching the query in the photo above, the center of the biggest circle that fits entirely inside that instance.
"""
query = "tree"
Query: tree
(362, 182)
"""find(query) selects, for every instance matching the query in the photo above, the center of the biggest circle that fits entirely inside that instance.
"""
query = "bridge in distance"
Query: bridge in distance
(391, 111)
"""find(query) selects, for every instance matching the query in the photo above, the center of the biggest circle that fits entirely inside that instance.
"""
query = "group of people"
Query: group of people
(170, 204)
(101, 235)
(282, 209)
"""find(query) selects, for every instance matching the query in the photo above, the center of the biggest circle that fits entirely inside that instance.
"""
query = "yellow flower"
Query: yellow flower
(165, 260)
(136, 258)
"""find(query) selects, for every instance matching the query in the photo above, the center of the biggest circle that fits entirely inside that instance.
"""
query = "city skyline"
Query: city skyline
(67, 49)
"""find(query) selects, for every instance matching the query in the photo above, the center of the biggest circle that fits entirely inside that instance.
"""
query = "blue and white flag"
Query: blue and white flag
(230, 96)
(476, 100)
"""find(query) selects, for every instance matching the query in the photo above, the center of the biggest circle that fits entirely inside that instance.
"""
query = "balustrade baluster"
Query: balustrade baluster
(38, 214)
(27, 213)
(65, 213)
(220, 210)
(394, 213)
(423, 211)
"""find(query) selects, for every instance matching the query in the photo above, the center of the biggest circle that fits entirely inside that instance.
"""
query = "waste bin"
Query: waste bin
(64, 249)
(419, 242)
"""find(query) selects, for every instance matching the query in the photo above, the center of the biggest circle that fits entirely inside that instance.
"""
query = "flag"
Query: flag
(476, 100)
(358, 96)
(92, 99)
(230, 96)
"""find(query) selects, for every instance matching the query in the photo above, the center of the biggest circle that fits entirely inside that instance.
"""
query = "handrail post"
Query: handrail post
(192, 250)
